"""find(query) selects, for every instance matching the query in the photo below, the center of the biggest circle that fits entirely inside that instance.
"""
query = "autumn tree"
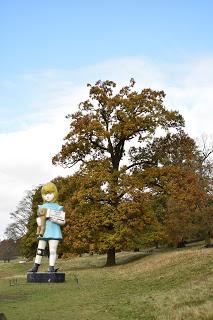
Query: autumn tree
(173, 172)
(204, 167)
(102, 133)
(182, 202)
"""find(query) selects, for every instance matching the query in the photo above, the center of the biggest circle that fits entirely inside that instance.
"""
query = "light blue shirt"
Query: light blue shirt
(52, 229)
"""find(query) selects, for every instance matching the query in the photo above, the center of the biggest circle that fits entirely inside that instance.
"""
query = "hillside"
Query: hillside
(169, 284)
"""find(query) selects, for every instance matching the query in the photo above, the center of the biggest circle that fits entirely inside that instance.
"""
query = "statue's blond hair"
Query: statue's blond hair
(50, 188)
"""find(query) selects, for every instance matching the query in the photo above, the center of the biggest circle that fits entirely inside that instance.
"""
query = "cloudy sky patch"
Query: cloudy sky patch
(50, 50)
(27, 150)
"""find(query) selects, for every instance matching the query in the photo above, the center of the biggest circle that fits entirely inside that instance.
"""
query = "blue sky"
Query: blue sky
(50, 50)
(67, 34)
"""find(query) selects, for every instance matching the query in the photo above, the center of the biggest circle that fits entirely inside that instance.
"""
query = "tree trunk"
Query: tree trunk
(208, 240)
(181, 244)
(110, 257)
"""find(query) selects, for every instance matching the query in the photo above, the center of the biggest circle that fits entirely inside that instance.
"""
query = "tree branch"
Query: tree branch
(95, 143)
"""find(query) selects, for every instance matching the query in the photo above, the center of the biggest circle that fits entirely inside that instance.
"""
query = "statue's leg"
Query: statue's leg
(40, 253)
(53, 244)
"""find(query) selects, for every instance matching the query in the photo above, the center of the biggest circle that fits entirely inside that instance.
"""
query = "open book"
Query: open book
(59, 215)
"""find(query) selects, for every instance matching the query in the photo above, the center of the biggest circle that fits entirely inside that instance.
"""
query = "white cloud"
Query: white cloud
(26, 152)
(190, 91)
(26, 162)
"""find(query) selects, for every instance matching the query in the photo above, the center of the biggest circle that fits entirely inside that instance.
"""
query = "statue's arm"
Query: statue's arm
(59, 221)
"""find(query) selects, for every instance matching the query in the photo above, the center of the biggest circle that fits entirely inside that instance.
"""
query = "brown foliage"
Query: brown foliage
(110, 207)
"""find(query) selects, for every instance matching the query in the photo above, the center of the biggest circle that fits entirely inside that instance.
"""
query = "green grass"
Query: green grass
(170, 284)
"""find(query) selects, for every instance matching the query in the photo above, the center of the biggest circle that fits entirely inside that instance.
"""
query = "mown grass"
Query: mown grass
(171, 284)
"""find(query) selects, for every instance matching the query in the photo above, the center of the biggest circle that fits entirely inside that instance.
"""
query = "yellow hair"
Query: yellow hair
(50, 188)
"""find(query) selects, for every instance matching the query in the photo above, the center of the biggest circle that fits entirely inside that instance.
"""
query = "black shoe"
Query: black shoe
(52, 269)
(34, 268)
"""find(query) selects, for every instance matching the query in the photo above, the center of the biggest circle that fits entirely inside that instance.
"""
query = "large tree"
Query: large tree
(110, 207)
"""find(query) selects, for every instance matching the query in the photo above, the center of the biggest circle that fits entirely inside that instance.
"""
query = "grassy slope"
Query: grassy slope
(165, 285)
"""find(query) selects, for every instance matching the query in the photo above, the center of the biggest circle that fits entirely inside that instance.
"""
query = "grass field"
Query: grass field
(170, 284)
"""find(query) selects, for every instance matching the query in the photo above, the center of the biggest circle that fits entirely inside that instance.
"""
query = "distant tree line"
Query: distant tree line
(142, 180)
(9, 249)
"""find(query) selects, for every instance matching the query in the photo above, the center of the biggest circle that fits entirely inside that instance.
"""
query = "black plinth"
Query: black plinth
(45, 277)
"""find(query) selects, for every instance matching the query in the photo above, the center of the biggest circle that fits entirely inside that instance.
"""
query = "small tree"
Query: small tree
(20, 217)
(101, 135)
(29, 240)
(9, 249)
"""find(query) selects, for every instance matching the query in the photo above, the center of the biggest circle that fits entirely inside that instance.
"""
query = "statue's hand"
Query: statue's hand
(57, 221)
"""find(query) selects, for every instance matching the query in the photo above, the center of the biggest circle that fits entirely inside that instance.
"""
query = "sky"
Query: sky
(51, 49)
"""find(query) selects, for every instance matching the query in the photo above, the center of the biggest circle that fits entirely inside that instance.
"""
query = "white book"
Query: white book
(55, 214)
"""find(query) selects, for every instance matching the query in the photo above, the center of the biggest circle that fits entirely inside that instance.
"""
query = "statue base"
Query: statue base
(45, 277)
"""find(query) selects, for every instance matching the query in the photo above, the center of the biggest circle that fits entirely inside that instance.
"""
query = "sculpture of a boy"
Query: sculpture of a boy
(50, 219)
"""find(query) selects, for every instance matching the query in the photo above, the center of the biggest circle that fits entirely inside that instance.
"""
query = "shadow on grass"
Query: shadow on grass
(124, 258)
(135, 257)
(12, 297)
(120, 260)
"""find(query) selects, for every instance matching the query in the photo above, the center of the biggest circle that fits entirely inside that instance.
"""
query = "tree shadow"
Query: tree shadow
(133, 258)
(120, 260)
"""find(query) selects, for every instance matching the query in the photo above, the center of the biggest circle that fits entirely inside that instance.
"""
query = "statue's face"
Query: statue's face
(48, 197)
(49, 192)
